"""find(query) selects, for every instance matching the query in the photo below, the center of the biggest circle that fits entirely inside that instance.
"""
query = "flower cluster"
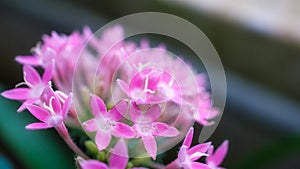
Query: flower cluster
(132, 100)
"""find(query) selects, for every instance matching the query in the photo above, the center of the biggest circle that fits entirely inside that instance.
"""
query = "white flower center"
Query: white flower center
(55, 120)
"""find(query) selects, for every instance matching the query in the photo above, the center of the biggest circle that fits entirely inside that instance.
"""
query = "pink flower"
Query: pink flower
(147, 127)
(187, 155)
(150, 86)
(153, 76)
(51, 114)
(106, 122)
(118, 159)
(216, 158)
(35, 83)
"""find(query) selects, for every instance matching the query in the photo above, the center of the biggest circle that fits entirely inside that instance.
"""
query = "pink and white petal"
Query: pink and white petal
(160, 128)
(182, 154)
(39, 112)
(26, 102)
(123, 85)
(61, 96)
(117, 112)
(92, 164)
(198, 165)
(150, 146)
(67, 105)
(119, 156)
(137, 82)
(37, 126)
(122, 130)
(31, 76)
(52, 99)
(47, 76)
(200, 148)
(153, 113)
(135, 113)
(220, 153)
(16, 94)
(189, 138)
(90, 125)
(157, 100)
(102, 139)
(171, 132)
(28, 60)
(98, 106)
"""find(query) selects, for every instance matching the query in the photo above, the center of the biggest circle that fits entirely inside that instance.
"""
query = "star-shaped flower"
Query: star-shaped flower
(148, 128)
(35, 86)
(106, 122)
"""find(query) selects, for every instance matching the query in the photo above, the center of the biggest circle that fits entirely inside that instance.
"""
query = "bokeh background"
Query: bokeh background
(258, 43)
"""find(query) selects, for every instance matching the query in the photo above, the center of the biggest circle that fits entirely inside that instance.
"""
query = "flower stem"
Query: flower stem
(63, 132)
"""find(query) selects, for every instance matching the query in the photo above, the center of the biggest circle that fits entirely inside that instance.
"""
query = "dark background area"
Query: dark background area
(262, 113)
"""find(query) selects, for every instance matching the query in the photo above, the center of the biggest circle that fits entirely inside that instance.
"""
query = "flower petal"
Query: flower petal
(37, 126)
(102, 139)
(189, 138)
(182, 155)
(16, 94)
(30, 60)
(119, 156)
(198, 165)
(47, 76)
(92, 164)
(220, 153)
(90, 125)
(200, 148)
(135, 113)
(117, 112)
(153, 113)
(123, 85)
(38, 112)
(98, 106)
(167, 132)
(67, 105)
(52, 99)
(122, 130)
(26, 102)
(150, 146)
(31, 76)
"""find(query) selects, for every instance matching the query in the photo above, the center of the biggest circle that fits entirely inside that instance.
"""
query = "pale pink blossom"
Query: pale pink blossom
(35, 86)
(106, 122)
(147, 127)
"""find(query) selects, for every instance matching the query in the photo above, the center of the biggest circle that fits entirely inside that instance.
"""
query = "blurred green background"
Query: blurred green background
(261, 58)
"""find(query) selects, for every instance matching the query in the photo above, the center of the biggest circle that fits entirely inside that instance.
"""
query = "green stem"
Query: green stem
(63, 132)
